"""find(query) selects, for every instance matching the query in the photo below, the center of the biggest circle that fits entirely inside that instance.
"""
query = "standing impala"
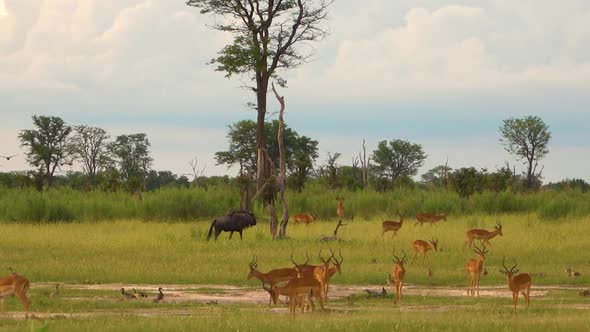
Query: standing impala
(398, 272)
(422, 218)
(340, 207)
(483, 235)
(18, 285)
(272, 277)
(518, 284)
(295, 289)
(392, 226)
(421, 246)
(474, 269)
(304, 218)
(332, 270)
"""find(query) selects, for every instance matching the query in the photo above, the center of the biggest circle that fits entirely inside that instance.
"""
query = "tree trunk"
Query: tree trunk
(281, 179)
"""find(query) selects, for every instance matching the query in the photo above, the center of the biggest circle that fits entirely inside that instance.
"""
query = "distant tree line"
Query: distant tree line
(124, 163)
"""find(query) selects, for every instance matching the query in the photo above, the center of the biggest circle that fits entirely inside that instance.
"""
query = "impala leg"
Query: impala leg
(477, 285)
(401, 287)
(414, 254)
(515, 299)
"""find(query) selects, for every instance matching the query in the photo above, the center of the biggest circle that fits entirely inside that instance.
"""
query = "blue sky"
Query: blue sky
(440, 73)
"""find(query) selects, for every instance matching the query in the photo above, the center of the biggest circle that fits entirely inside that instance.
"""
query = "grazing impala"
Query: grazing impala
(398, 272)
(304, 218)
(340, 207)
(421, 246)
(392, 226)
(483, 235)
(422, 218)
(295, 289)
(18, 285)
(272, 277)
(474, 269)
(518, 284)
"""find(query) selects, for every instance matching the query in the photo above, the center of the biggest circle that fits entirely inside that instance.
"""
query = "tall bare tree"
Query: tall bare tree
(267, 35)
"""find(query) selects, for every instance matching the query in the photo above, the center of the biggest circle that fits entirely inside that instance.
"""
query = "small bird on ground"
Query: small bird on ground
(55, 293)
(127, 295)
(375, 293)
(585, 293)
(160, 295)
(139, 294)
(572, 274)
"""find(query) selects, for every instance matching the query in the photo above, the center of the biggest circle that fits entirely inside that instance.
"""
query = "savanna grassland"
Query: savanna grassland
(544, 232)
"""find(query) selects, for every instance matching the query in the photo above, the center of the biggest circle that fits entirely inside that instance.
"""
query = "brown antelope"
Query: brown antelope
(518, 284)
(392, 226)
(332, 270)
(320, 273)
(304, 218)
(474, 269)
(295, 289)
(483, 235)
(272, 277)
(422, 218)
(398, 271)
(18, 285)
(340, 207)
(423, 247)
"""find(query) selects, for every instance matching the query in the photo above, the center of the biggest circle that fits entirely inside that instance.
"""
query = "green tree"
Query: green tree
(300, 151)
(131, 156)
(266, 39)
(89, 146)
(467, 181)
(436, 176)
(526, 138)
(47, 145)
(397, 158)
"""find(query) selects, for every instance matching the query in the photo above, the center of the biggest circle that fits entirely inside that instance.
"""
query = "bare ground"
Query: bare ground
(228, 294)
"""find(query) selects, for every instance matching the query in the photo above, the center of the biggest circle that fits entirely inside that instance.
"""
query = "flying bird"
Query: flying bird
(8, 157)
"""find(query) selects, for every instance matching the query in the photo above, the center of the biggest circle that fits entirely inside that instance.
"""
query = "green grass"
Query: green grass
(132, 251)
(139, 252)
(414, 314)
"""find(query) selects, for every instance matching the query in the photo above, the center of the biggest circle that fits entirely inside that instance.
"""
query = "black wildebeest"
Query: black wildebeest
(236, 221)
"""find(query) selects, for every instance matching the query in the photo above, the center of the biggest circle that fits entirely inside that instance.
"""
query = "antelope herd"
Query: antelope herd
(302, 283)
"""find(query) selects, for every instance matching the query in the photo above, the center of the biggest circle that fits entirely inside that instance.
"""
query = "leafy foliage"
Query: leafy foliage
(397, 158)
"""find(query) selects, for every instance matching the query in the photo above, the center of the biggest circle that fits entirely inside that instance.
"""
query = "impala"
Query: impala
(340, 207)
(398, 272)
(295, 289)
(422, 218)
(474, 269)
(18, 285)
(304, 218)
(483, 235)
(320, 273)
(392, 226)
(332, 270)
(421, 246)
(272, 277)
(520, 283)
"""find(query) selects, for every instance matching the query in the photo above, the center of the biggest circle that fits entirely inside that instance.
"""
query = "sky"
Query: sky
(443, 74)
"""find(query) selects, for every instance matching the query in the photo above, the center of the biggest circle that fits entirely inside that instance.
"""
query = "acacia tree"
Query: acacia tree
(47, 145)
(89, 145)
(398, 158)
(526, 138)
(266, 39)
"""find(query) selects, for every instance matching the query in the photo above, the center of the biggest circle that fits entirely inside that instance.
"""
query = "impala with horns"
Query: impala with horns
(422, 218)
(421, 246)
(336, 267)
(398, 271)
(520, 283)
(483, 235)
(305, 218)
(392, 226)
(271, 277)
(474, 269)
(18, 285)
